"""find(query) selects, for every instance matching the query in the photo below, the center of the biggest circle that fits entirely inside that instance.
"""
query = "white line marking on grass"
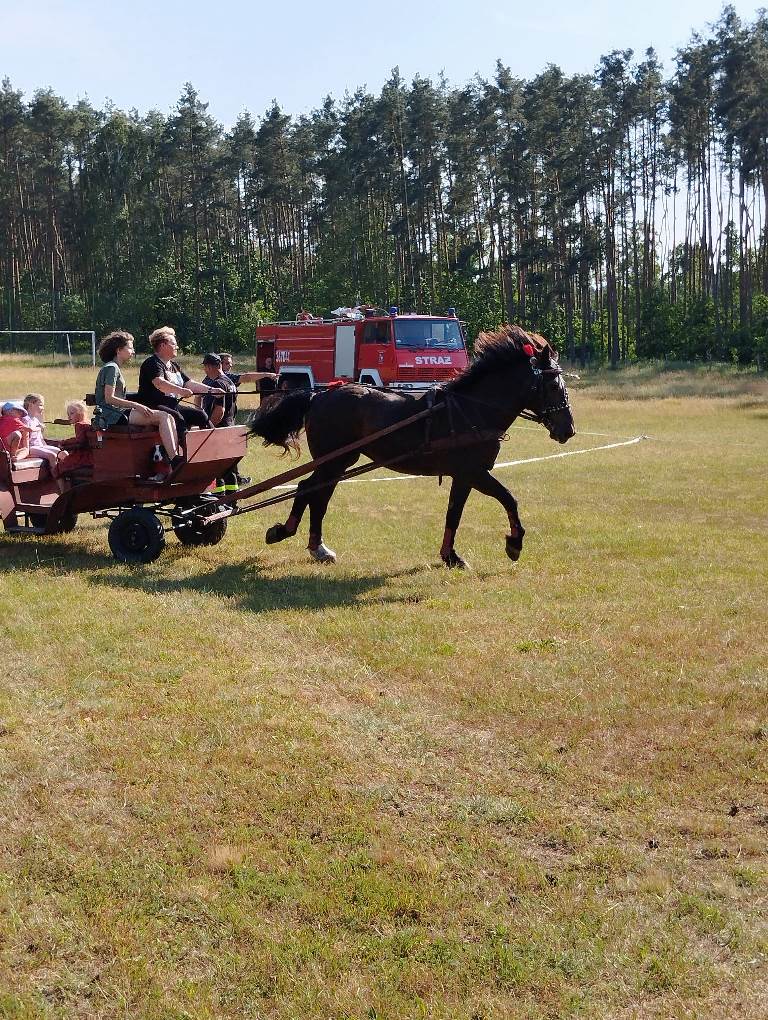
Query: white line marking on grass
(504, 464)
(570, 453)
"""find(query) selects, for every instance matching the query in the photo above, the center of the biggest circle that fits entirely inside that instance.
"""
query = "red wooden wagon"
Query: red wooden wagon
(118, 487)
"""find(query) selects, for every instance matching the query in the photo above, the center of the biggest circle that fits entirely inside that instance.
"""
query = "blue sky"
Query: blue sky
(242, 55)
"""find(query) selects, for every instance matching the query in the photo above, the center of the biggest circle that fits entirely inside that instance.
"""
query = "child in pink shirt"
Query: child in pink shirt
(34, 405)
(14, 434)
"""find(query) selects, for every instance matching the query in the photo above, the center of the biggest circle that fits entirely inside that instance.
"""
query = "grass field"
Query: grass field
(238, 784)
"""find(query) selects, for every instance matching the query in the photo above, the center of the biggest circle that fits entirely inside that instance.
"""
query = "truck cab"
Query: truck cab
(397, 351)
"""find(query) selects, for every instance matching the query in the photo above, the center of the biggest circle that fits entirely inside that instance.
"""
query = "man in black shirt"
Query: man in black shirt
(163, 383)
(219, 404)
(221, 400)
(263, 378)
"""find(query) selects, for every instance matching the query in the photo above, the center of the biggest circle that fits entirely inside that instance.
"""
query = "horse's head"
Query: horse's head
(518, 372)
(549, 397)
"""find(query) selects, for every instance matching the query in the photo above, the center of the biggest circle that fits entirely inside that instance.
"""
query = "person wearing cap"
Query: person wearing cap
(265, 378)
(266, 382)
(14, 434)
(219, 402)
(163, 383)
(219, 405)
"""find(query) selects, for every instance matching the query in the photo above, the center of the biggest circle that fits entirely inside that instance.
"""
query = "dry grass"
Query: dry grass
(234, 783)
(664, 379)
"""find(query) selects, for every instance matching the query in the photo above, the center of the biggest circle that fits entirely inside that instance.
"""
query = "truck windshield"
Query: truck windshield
(436, 334)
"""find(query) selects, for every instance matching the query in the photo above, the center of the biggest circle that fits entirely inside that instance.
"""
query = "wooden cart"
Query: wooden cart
(118, 487)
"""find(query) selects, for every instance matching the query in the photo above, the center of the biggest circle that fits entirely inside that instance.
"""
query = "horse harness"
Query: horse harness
(451, 403)
(438, 400)
(447, 442)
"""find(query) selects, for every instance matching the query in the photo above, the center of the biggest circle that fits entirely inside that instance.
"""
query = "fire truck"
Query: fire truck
(371, 346)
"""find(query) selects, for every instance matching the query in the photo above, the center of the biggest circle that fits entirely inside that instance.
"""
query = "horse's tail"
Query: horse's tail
(280, 419)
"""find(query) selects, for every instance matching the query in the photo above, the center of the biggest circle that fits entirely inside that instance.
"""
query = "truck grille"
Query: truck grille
(426, 373)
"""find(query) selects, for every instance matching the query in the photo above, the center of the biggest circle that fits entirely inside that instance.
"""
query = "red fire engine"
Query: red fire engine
(370, 346)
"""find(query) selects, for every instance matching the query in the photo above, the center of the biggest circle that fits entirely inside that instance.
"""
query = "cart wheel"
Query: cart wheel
(67, 523)
(136, 536)
(190, 529)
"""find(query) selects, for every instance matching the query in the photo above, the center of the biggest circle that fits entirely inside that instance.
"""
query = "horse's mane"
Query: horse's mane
(499, 348)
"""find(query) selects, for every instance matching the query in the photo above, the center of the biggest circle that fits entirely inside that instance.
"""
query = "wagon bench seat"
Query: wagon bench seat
(123, 451)
(26, 486)
(30, 470)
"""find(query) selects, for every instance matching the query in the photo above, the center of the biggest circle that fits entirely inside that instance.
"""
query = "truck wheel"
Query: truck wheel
(190, 529)
(136, 536)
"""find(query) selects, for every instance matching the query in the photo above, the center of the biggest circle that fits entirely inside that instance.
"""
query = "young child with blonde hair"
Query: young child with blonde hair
(34, 405)
(78, 447)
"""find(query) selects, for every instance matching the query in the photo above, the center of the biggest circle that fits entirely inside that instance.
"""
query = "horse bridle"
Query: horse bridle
(544, 416)
(541, 417)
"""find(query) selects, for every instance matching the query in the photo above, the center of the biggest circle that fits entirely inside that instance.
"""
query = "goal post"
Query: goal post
(67, 334)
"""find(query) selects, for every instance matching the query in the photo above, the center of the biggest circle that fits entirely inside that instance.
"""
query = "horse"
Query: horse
(513, 373)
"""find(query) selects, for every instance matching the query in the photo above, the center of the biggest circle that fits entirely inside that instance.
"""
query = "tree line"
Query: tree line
(620, 213)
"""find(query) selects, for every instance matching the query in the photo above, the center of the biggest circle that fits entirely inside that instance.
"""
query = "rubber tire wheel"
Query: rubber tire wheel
(67, 523)
(136, 536)
(195, 533)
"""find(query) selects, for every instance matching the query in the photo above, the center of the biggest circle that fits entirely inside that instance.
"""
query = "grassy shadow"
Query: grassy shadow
(253, 587)
(28, 552)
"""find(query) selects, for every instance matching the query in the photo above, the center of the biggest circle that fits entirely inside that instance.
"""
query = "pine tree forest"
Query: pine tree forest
(619, 213)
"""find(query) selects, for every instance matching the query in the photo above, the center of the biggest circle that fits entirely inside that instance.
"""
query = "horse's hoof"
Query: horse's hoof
(452, 559)
(323, 554)
(277, 533)
(514, 545)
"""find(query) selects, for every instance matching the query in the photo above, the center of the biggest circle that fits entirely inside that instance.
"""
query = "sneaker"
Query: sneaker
(159, 477)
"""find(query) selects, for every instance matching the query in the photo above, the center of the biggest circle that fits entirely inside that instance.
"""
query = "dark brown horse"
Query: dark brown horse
(513, 373)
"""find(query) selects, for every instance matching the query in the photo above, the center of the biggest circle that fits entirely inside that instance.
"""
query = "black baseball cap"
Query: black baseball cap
(211, 359)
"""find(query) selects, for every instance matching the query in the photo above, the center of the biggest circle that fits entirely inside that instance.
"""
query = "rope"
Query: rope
(504, 464)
